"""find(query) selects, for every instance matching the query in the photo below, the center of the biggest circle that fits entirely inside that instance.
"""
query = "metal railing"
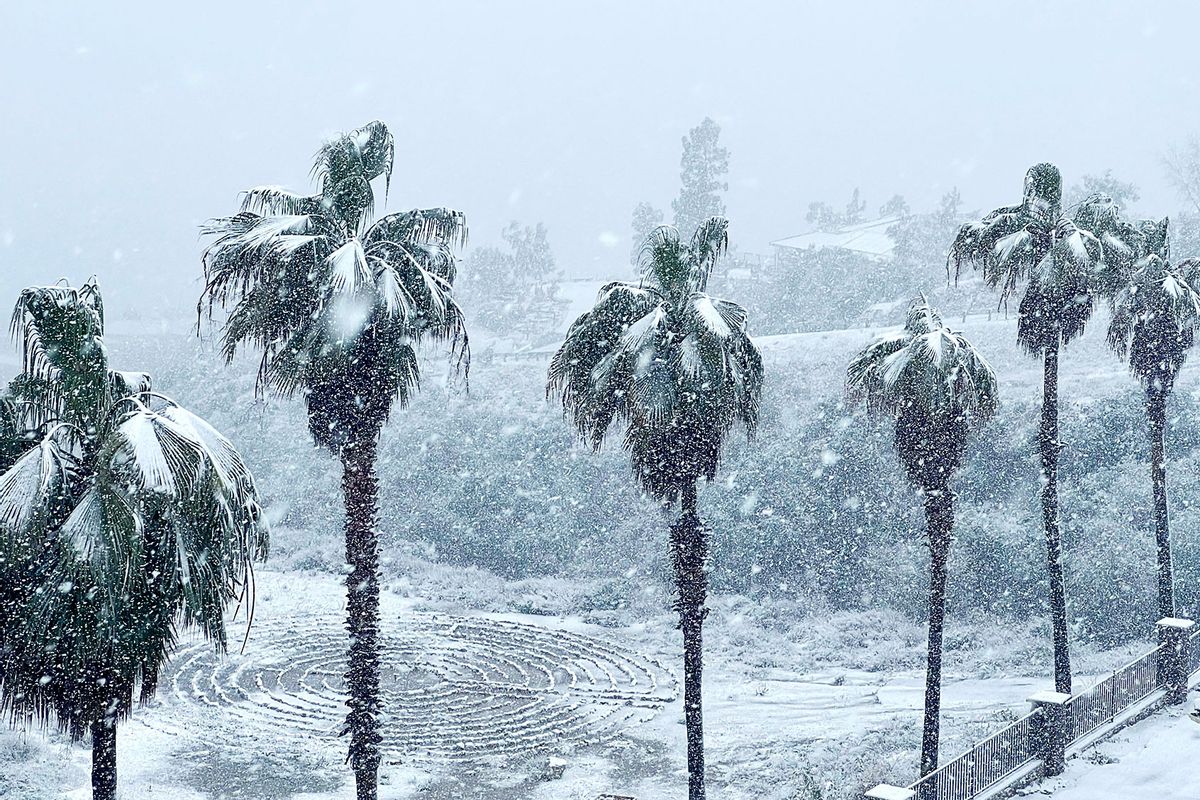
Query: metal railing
(989, 761)
(999, 756)
(1100, 704)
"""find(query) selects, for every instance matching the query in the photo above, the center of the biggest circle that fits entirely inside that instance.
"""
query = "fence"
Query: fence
(1001, 755)
(993, 759)
(1101, 703)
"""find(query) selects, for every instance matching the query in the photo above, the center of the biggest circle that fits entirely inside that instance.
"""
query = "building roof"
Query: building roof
(869, 238)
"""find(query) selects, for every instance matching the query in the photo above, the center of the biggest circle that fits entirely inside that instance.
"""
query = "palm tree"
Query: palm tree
(1058, 259)
(676, 368)
(121, 514)
(1156, 307)
(337, 305)
(935, 386)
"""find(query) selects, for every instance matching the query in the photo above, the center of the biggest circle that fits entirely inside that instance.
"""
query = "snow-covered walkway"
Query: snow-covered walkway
(1155, 759)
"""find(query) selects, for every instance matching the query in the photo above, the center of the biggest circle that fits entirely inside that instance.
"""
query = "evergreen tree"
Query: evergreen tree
(703, 168)
(515, 291)
(645, 219)
(1123, 193)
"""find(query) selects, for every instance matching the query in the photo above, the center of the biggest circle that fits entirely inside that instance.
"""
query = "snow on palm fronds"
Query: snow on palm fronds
(1061, 261)
(925, 364)
(670, 362)
(1155, 309)
(58, 330)
(121, 515)
(933, 383)
(337, 303)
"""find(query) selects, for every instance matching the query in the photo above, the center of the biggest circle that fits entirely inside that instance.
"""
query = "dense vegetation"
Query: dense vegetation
(818, 510)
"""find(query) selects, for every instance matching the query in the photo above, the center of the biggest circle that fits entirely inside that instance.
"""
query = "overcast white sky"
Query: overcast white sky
(120, 131)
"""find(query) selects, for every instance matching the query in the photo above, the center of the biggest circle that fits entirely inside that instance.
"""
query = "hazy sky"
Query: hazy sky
(120, 131)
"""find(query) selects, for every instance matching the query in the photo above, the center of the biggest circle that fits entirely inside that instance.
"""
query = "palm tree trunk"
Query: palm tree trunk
(104, 758)
(939, 520)
(361, 490)
(1049, 445)
(1156, 412)
(689, 553)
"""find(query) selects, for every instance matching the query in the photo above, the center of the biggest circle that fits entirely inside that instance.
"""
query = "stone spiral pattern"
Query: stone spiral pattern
(453, 688)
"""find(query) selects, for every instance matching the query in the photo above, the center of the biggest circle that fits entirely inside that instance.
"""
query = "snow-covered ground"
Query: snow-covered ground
(1156, 759)
(803, 701)
(262, 723)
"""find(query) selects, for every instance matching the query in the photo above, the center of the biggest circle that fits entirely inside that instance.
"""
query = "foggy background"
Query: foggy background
(123, 130)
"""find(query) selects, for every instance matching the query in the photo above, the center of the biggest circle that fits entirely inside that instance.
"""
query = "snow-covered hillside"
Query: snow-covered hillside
(813, 685)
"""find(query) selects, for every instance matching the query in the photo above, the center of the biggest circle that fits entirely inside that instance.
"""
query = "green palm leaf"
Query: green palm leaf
(673, 365)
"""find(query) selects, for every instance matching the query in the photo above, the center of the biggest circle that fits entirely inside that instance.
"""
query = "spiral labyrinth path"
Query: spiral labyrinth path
(454, 688)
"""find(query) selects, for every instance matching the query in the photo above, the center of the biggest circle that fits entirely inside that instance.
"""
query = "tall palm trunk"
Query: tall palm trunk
(361, 490)
(104, 758)
(939, 521)
(689, 553)
(1156, 412)
(1049, 445)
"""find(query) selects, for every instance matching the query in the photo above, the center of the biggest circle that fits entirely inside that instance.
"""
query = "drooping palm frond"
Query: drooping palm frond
(14, 432)
(34, 489)
(1156, 311)
(1002, 245)
(59, 331)
(322, 295)
(112, 535)
(277, 201)
(672, 364)
(933, 383)
(1061, 261)
(345, 166)
(926, 364)
(426, 226)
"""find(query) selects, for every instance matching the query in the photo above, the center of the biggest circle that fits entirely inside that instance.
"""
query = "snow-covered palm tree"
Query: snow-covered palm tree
(674, 367)
(122, 514)
(1156, 308)
(1054, 262)
(338, 305)
(933, 383)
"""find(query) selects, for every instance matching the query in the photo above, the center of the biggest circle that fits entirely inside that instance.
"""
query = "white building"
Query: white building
(870, 239)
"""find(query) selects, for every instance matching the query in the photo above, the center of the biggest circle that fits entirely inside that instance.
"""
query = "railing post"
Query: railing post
(885, 791)
(1174, 634)
(1049, 730)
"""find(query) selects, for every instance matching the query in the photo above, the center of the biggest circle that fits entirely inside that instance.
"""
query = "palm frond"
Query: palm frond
(1156, 311)
(709, 243)
(933, 383)
(427, 226)
(345, 166)
(675, 367)
(321, 293)
(59, 331)
(927, 364)
(272, 201)
(33, 487)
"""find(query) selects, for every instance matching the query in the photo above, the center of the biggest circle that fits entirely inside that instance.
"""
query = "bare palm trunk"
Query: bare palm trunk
(104, 758)
(939, 521)
(1156, 412)
(1049, 445)
(361, 490)
(689, 553)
